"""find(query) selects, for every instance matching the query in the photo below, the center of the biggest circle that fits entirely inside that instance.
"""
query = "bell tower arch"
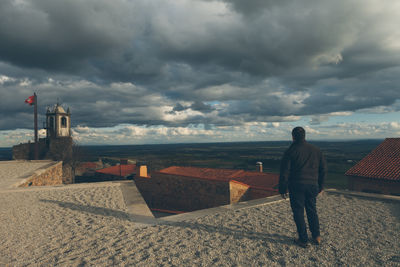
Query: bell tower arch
(58, 122)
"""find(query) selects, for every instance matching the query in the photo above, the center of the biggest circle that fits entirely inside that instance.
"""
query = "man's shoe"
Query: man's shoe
(300, 243)
(317, 240)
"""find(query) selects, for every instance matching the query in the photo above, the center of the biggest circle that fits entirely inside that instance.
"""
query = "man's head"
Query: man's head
(298, 134)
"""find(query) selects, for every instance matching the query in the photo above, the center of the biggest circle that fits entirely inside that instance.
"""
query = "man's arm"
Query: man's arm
(322, 172)
(284, 174)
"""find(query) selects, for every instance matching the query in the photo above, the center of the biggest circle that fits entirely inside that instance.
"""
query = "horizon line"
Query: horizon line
(227, 142)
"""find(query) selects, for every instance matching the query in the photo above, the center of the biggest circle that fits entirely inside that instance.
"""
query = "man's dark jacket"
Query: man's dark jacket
(302, 163)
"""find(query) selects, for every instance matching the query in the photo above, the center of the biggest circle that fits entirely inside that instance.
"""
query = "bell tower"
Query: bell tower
(58, 122)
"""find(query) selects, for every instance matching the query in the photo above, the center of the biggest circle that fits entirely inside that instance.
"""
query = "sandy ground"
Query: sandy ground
(84, 226)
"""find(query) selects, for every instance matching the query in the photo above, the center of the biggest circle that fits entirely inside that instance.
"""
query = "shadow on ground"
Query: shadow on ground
(395, 209)
(144, 220)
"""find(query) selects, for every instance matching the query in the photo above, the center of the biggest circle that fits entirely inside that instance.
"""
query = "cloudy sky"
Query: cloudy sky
(168, 71)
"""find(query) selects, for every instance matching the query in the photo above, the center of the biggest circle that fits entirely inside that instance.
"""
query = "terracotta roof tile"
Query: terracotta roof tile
(88, 165)
(119, 170)
(382, 163)
(260, 180)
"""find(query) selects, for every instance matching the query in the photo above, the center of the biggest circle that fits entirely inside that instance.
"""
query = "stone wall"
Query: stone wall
(57, 149)
(103, 177)
(370, 185)
(238, 191)
(21, 152)
(60, 149)
(52, 175)
(181, 193)
(68, 174)
(27, 151)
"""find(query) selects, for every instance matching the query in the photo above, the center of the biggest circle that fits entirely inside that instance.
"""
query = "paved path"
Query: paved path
(91, 224)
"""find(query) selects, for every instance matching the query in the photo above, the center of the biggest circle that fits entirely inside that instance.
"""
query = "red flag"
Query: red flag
(30, 100)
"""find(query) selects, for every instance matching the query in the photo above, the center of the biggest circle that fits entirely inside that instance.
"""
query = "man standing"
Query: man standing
(303, 171)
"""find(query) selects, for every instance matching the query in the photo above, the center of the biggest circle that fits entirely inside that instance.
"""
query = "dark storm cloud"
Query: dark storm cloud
(108, 40)
(200, 106)
(197, 106)
(179, 107)
(174, 63)
(56, 35)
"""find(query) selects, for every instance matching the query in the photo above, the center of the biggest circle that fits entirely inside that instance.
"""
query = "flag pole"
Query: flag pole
(36, 126)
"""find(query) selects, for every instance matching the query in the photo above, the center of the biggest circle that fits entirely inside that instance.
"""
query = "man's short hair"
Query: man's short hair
(298, 134)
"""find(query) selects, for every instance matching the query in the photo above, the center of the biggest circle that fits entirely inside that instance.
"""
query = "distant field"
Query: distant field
(244, 155)
(340, 155)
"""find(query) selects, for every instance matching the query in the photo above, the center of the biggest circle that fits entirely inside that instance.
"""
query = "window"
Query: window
(51, 123)
(63, 122)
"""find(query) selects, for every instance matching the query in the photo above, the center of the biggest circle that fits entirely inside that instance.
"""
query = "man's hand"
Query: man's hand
(284, 196)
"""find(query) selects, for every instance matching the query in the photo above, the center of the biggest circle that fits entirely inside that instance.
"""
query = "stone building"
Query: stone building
(88, 168)
(190, 188)
(379, 171)
(115, 173)
(58, 122)
(58, 144)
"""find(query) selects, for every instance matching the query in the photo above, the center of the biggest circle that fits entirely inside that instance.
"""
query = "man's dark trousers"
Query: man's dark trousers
(305, 196)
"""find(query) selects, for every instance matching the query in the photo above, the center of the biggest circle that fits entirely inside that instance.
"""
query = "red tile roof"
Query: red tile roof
(88, 165)
(119, 170)
(259, 180)
(382, 163)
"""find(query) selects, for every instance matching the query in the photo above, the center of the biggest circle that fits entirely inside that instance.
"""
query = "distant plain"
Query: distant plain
(340, 155)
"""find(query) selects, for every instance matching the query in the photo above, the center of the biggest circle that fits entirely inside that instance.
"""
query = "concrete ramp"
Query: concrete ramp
(22, 173)
(134, 201)
(15, 173)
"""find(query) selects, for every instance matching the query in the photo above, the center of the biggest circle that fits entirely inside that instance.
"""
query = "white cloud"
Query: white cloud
(136, 134)
(328, 59)
(340, 113)
(4, 79)
(394, 125)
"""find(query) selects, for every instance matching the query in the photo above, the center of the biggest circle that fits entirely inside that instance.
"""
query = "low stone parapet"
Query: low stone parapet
(51, 175)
